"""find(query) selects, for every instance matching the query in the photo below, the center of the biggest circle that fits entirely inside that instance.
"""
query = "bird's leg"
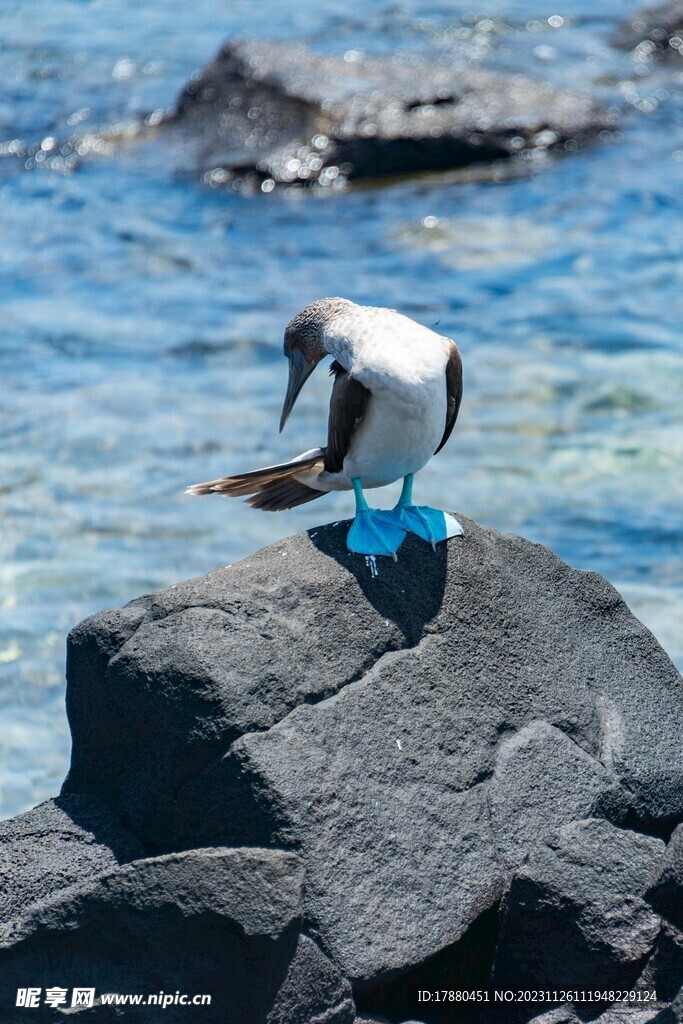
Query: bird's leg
(405, 505)
(370, 533)
(406, 498)
(361, 503)
(428, 523)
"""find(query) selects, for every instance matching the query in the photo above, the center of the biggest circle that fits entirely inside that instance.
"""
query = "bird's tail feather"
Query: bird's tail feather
(273, 488)
(279, 495)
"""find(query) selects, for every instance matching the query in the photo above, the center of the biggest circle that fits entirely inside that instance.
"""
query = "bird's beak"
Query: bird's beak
(299, 371)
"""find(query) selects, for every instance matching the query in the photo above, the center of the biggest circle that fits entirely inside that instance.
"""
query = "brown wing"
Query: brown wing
(453, 391)
(347, 408)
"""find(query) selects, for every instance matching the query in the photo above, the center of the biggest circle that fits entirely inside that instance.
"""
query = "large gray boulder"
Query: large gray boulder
(541, 775)
(413, 730)
(280, 112)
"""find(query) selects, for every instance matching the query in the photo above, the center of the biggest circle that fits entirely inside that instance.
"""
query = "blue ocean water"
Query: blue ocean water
(141, 318)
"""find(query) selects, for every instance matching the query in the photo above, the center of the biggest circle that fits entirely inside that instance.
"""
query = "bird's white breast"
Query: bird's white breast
(403, 365)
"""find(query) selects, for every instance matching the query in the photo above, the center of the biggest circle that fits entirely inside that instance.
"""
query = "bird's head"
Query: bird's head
(305, 345)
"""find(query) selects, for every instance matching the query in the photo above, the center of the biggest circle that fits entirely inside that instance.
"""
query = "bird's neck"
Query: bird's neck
(342, 348)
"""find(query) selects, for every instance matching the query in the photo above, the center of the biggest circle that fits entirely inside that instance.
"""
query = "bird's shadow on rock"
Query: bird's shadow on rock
(408, 592)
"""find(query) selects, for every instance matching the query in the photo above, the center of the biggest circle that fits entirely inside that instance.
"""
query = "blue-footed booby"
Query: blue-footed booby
(395, 398)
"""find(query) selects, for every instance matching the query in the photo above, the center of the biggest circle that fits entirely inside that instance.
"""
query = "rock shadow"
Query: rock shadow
(102, 821)
(408, 592)
(419, 991)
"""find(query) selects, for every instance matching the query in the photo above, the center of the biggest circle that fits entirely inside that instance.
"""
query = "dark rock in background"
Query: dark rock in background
(289, 115)
(657, 31)
(427, 739)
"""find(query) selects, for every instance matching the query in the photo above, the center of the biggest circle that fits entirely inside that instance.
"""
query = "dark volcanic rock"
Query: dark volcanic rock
(542, 780)
(575, 916)
(672, 1014)
(663, 972)
(366, 1018)
(202, 922)
(313, 992)
(558, 1015)
(619, 1013)
(455, 749)
(412, 734)
(666, 894)
(655, 31)
(293, 116)
(57, 844)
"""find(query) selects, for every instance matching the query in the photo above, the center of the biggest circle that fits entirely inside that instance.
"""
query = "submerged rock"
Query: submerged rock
(288, 115)
(657, 31)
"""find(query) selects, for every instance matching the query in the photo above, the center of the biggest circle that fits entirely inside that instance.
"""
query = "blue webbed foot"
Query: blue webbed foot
(371, 534)
(431, 524)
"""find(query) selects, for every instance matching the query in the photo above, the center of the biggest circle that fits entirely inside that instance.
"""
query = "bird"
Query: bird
(395, 399)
